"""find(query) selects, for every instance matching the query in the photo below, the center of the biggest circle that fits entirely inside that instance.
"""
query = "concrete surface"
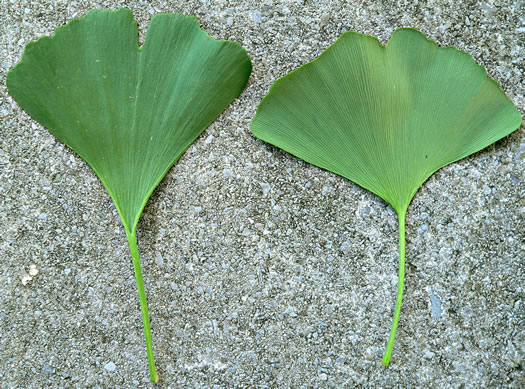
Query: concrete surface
(263, 271)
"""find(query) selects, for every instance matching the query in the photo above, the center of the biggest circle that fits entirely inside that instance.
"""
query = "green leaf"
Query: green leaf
(386, 117)
(130, 112)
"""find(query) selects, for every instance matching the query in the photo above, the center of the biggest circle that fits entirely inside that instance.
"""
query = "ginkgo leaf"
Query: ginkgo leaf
(386, 117)
(130, 112)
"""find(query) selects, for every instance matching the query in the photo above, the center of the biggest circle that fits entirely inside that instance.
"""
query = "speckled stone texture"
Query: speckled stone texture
(263, 271)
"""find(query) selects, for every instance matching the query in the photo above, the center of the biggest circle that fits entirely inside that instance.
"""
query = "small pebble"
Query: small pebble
(110, 366)
(26, 278)
(435, 305)
(265, 188)
(365, 211)
(256, 16)
(33, 271)
(47, 369)
(429, 355)
(159, 260)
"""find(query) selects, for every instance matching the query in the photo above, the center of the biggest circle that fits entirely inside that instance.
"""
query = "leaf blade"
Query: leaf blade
(92, 87)
(355, 111)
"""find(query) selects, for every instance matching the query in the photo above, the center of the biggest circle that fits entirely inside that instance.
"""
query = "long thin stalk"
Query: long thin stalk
(400, 286)
(132, 240)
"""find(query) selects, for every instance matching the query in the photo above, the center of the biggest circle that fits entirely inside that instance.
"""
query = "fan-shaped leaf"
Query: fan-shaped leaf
(386, 117)
(130, 112)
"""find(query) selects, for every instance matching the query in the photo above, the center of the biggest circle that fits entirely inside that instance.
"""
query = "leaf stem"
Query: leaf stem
(132, 240)
(400, 286)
